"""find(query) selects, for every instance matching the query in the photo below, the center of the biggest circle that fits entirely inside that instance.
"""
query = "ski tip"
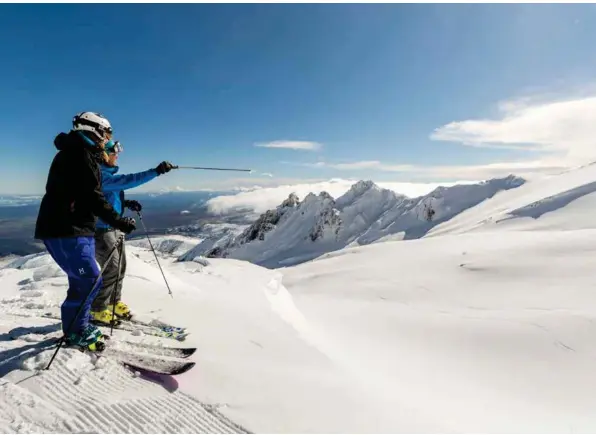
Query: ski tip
(188, 351)
(183, 369)
(173, 370)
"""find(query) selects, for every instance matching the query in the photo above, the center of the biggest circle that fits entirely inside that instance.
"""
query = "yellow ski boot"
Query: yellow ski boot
(103, 317)
(122, 311)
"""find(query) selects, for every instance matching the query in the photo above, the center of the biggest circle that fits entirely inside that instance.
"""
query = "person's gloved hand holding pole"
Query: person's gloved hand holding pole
(164, 167)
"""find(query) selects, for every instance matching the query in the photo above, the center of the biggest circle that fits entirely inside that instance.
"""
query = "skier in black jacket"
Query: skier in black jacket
(67, 216)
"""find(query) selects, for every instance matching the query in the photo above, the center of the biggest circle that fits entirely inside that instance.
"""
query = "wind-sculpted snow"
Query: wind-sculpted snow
(298, 231)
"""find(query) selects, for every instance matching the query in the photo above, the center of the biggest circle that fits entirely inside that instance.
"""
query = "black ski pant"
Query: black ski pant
(104, 243)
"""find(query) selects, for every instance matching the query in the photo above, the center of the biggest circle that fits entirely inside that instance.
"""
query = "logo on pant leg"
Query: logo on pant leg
(82, 271)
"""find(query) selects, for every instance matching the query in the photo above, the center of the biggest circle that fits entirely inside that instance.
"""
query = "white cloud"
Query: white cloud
(174, 189)
(468, 172)
(291, 144)
(263, 199)
(246, 188)
(565, 129)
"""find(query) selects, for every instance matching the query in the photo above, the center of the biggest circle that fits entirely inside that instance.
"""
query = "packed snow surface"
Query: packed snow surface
(484, 325)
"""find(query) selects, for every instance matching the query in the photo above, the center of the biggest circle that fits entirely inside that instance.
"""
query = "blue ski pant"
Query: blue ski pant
(76, 257)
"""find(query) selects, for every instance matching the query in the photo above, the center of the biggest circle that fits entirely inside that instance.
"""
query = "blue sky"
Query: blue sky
(202, 84)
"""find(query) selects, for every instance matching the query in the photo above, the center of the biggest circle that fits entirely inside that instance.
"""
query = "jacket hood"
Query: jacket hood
(71, 139)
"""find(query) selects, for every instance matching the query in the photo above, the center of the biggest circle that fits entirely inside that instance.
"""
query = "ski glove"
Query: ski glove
(164, 167)
(126, 225)
(133, 205)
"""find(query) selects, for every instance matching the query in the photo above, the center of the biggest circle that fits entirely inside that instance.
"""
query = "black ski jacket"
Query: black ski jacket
(73, 198)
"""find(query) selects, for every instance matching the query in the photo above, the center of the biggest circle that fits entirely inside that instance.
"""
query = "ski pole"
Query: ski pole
(97, 280)
(116, 289)
(155, 253)
(212, 169)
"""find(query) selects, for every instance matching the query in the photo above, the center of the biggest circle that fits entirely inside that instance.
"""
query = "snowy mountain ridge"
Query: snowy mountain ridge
(297, 231)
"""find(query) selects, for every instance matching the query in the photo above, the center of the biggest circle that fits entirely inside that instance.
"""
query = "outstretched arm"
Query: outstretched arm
(128, 181)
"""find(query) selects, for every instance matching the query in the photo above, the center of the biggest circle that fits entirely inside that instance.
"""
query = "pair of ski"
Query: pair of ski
(155, 327)
(149, 358)
(146, 357)
(142, 356)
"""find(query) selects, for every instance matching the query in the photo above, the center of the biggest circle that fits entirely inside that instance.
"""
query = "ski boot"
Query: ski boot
(89, 339)
(104, 317)
(122, 311)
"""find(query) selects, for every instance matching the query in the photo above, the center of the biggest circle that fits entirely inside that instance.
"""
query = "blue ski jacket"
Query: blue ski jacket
(113, 187)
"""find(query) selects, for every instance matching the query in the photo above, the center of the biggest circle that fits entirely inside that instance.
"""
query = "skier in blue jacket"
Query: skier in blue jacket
(113, 187)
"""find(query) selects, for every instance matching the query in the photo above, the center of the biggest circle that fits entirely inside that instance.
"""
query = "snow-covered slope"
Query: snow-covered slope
(297, 231)
(255, 371)
(559, 201)
(413, 218)
(489, 330)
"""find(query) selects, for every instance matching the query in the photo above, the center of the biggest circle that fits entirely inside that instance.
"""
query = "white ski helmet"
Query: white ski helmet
(94, 123)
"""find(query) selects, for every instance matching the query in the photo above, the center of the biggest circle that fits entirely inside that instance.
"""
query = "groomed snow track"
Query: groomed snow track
(81, 393)
(79, 396)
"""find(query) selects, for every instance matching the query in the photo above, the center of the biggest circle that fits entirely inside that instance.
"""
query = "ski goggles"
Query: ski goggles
(113, 147)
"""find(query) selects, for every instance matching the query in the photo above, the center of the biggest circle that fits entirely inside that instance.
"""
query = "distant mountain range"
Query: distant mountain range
(300, 230)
